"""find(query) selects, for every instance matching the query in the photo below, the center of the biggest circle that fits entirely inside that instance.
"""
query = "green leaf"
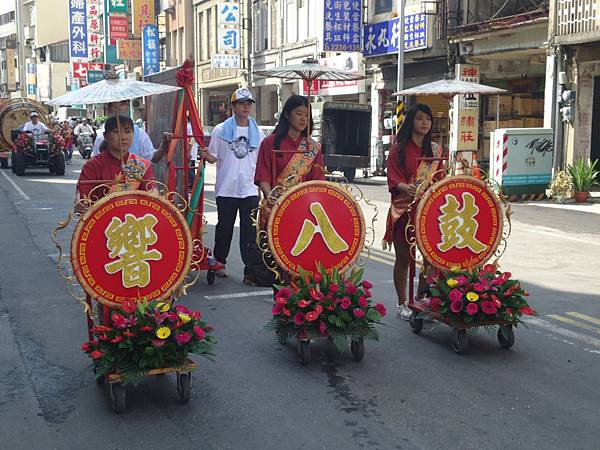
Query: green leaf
(149, 351)
(341, 342)
(373, 315)
(332, 319)
(340, 323)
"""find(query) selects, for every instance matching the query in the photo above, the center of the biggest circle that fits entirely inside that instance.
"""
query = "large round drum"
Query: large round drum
(313, 223)
(131, 245)
(14, 114)
(459, 223)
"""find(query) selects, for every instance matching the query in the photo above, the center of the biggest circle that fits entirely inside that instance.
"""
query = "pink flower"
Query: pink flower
(367, 284)
(317, 277)
(119, 320)
(284, 292)
(322, 328)
(200, 333)
(312, 316)
(345, 303)
(333, 288)
(462, 280)
(479, 287)
(488, 307)
(183, 338)
(158, 342)
(527, 310)
(196, 315)
(358, 313)
(85, 347)
(287, 312)
(303, 303)
(472, 308)
(489, 268)
(299, 318)
(455, 295)
(434, 304)
(367, 293)
(363, 302)
(456, 306)
(116, 339)
(281, 300)
(96, 354)
(331, 308)
(129, 306)
(350, 289)
(380, 309)
(320, 296)
(277, 309)
(318, 309)
(183, 310)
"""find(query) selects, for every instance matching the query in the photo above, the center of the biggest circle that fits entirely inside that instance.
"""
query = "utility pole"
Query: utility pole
(400, 80)
(21, 49)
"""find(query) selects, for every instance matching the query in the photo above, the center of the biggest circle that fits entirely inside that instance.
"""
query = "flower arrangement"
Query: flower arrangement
(561, 186)
(327, 305)
(57, 142)
(478, 296)
(146, 336)
(23, 143)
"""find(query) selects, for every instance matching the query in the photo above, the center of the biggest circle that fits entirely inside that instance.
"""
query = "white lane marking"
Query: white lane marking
(52, 180)
(590, 208)
(17, 188)
(239, 295)
(555, 234)
(589, 340)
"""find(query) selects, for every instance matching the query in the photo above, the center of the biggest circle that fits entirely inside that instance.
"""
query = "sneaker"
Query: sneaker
(404, 311)
(221, 273)
(248, 281)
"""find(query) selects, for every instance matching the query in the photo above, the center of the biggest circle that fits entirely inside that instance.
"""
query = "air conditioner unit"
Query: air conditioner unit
(28, 34)
(137, 104)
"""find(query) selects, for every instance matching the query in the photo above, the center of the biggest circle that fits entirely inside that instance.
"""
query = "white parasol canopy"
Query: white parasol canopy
(309, 70)
(111, 90)
(450, 88)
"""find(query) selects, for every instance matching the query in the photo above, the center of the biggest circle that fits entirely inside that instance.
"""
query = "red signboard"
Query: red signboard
(118, 28)
(458, 223)
(80, 71)
(131, 246)
(316, 222)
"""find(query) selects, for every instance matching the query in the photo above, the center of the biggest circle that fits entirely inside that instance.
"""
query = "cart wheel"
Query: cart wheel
(416, 325)
(506, 336)
(210, 277)
(460, 341)
(281, 337)
(117, 396)
(184, 387)
(303, 349)
(357, 347)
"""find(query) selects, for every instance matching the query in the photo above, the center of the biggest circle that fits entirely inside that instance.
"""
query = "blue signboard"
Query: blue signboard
(150, 50)
(342, 25)
(383, 38)
(78, 40)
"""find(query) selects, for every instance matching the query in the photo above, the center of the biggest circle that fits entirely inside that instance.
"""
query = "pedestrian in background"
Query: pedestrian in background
(405, 174)
(234, 148)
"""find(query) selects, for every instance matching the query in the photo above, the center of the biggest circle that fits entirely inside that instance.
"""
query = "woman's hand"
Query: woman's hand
(410, 189)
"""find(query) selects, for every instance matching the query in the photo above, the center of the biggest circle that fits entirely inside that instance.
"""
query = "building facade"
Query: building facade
(9, 79)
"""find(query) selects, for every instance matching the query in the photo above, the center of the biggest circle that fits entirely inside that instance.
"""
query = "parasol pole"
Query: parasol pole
(120, 132)
(309, 82)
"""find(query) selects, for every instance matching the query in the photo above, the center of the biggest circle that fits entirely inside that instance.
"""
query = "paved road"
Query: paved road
(409, 392)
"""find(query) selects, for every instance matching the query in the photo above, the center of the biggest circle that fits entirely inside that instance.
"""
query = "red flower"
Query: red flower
(96, 354)
(456, 306)
(277, 309)
(200, 334)
(146, 328)
(509, 311)
(287, 312)
(333, 288)
(434, 304)
(350, 289)
(381, 309)
(183, 338)
(281, 300)
(345, 303)
(318, 309)
(496, 300)
(358, 313)
(129, 334)
(363, 302)
(314, 294)
(527, 310)
(322, 328)
(488, 308)
(489, 268)
(367, 284)
(158, 342)
(462, 280)
(85, 347)
(103, 337)
(367, 293)
(303, 303)
(331, 308)
(116, 339)
(317, 277)
(101, 329)
(196, 315)
(119, 320)
(312, 316)
(284, 292)
(472, 308)
(129, 306)
(299, 318)
(183, 310)
(455, 295)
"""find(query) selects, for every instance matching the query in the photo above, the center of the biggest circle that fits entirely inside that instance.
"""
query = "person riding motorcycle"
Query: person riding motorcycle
(84, 132)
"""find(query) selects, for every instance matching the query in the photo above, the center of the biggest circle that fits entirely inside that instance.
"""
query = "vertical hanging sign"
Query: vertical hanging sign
(465, 112)
(229, 27)
(78, 37)
(94, 30)
(143, 14)
(150, 50)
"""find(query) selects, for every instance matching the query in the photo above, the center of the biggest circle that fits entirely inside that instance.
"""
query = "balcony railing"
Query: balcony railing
(578, 17)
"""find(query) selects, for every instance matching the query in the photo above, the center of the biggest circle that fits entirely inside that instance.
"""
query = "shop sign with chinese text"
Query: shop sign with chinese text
(383, 38)
(117, 29)
(143, 14)
(131, 246)
(150, 59)
(316, 222)
(129, 49)
(465, 130)
(94, 29)
(78, 35)
(117, 6)
(225, 61)
(229, 27)
(458, 223)
(342, 25)
(80, 72)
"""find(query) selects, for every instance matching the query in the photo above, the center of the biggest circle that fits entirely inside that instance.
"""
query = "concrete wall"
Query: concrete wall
(52, 21)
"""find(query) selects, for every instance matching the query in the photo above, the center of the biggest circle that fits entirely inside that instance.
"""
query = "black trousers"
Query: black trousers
(227, 211)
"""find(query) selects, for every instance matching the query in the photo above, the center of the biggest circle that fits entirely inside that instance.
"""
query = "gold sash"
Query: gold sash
(131, 175)
(300, 164)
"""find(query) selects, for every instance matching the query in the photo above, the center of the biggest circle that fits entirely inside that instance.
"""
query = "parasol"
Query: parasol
(450, 88)
(111, 90)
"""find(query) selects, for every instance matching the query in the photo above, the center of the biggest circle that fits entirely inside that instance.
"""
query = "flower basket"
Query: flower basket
(23, 143)
(327, 305)
(148, 336)
(478, 297)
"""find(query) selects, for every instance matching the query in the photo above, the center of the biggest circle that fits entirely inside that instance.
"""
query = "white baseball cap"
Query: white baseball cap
(242, 95)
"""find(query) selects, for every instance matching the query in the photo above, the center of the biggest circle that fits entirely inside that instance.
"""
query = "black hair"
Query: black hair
(283, 123)
(111, 123)
(405, 132)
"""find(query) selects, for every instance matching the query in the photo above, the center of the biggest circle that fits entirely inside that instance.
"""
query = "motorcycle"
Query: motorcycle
(85, 145)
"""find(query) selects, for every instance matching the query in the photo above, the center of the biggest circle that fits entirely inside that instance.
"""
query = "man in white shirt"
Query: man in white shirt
(234, 147)
(142, 145)
(34, 126)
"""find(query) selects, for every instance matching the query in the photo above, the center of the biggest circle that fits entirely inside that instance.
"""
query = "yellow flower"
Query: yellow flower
(185, 318)
(451, 282)
(163, 307)
(472, 296)
(163, 332)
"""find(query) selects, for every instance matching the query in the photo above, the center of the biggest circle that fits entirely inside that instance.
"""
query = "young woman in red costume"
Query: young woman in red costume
(406, 174)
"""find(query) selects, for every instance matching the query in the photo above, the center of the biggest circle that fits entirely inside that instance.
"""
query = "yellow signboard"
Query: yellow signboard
(143, 14)
(11, 79)
(129, 49)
